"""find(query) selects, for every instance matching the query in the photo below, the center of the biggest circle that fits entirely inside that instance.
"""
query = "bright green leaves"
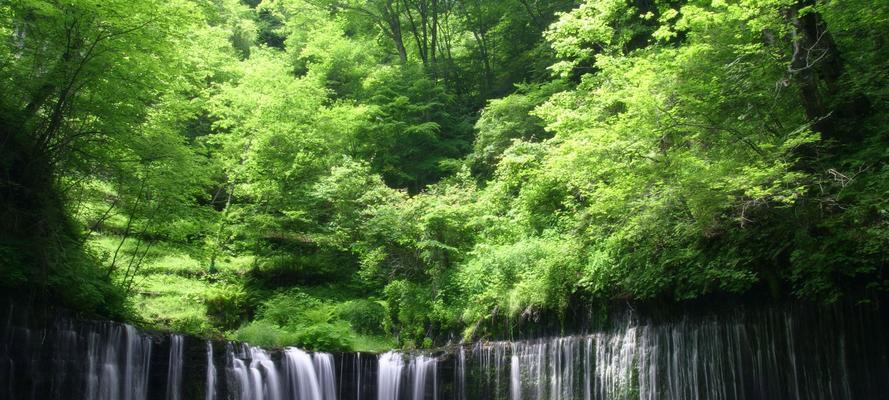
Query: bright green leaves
(95, 98)
(277, 135)
(672, 157)
(587, 30)
(505, 120)
(604, 27)
(339, 63)
(531, 274)
(658, 151)
(414, 133)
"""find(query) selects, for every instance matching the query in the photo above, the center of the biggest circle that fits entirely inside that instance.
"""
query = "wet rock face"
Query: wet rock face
(68, 359)
(356, 376)
(788, 352)
(75, 359)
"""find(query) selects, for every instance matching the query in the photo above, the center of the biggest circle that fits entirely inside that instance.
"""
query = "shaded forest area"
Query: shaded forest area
(348, 174)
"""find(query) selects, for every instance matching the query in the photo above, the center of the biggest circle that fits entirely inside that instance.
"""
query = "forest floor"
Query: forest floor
(174, 290)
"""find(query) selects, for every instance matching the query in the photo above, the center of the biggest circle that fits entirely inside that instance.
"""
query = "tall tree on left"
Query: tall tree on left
(78, 80)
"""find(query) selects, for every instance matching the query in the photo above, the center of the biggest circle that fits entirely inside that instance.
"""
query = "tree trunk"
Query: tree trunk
(392, 17)
(816, 66)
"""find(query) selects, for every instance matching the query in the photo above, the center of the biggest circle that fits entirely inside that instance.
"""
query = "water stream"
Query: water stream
(174, 372)
(793, 352)
(211, 373)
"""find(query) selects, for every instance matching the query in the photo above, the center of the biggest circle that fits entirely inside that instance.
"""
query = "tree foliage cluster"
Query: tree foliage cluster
(419, 167)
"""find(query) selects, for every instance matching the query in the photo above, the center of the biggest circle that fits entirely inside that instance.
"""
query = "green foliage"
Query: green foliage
(296, 318)
(295, 308)
(74, 110)
(226, 307)
(262, 333)
(415, 132)
(340, 63)
(342, 174)
(506, 119)
(328, 337)
(534, 274)
(409, 304)
(365, 316)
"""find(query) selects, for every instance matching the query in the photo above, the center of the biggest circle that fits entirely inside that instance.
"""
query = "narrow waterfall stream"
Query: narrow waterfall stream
(174, 373)
(793, 352)
(117, 362)
(302, 379)
(324, 367)
(423, 369)
(390, 366)
(211, 373)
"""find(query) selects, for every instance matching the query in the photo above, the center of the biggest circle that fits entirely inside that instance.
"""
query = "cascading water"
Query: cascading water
(422, 368)
(358, 376)
(302, 379)
(390, 367)
(326, 377)
(253, 373)
(515, 377)
(264, 377)
(794, 352)
(782, 354)
(93, 360)
(211, 374)
(174, 370)
(117, 361)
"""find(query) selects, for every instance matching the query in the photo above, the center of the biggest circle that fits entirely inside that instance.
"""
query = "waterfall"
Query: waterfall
(740, 356)
(117, 361)
(326, 378)
(253, 374)
(94, 360)
(239, 376)
(358, 376)
(390, 367)
(421, 371)
(211, 374)
(515, 378)
(461, 374)
(174, 371)
(264, 375)
(301, 375)
(790, 352)
(138, 356)
(422, 366)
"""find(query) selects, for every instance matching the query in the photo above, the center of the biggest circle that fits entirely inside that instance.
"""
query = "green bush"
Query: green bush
(327, 337)
(295, 318)
(261, 333)
(294, 307)
(364, 316)
(193, 324)
(226, 306)
(409, 304)
(323, 336)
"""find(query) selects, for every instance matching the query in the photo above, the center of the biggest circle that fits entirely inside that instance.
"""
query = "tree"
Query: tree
(80, 79)
(414, 136)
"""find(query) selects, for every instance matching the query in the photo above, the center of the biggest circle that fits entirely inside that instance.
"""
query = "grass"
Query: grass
(373, 343)
(174, 289)
(171, 286)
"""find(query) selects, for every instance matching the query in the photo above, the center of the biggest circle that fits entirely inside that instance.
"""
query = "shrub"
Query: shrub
(261, 333)
(292, 307)
(327, 337)
(364, 316)
(226, 306)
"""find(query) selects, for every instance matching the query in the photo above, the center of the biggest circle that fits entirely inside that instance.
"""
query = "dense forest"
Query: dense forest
(374, 174)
